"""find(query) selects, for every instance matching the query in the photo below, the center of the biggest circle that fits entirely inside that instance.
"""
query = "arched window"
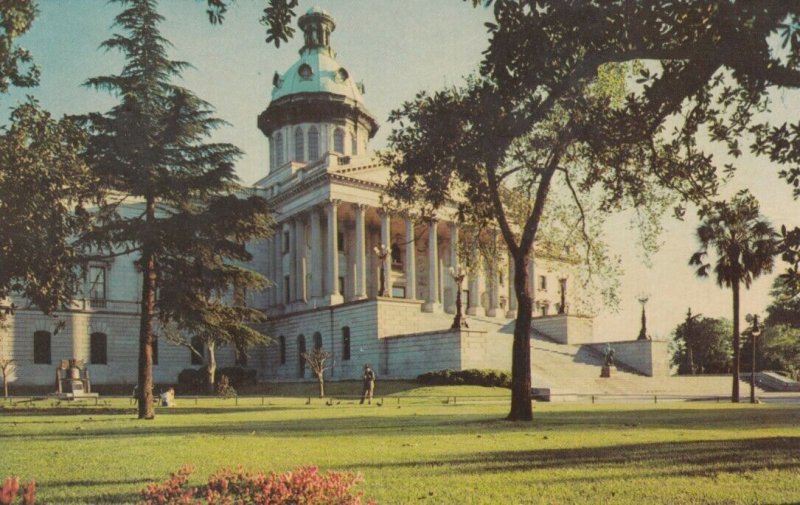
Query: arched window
(98, 348)
(198, 357)
(313, 144)
(317, 341)
(278, 149)
(299, 145)
(346, 343)
(338, 140)
(41, 348)
(282, 349)
(301, 361)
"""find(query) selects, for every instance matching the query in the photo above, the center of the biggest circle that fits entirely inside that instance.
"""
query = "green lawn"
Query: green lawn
(423, 449)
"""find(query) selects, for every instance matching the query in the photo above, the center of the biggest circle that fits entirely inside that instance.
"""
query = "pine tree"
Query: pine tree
(177, 205)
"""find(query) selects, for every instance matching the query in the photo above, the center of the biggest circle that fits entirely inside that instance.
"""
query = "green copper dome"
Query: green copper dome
(317, 70)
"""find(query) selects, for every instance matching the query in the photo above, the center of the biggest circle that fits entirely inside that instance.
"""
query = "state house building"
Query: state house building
(366, 285)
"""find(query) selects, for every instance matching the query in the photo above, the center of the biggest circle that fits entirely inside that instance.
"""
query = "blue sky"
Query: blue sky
(396, 48)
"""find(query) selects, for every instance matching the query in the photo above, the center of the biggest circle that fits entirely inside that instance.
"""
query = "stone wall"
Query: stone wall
(566, 329)
(650, 357)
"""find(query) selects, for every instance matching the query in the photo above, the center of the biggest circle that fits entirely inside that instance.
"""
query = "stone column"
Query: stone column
(334, 296)
(451, 304)
(492, 279)
(475, 308)
(411, 260)
(277, 268)
(292, 261)
(386, 243)
(316, 270)
(432, 302)
(512, 294)
(361, 260)
(300, 261)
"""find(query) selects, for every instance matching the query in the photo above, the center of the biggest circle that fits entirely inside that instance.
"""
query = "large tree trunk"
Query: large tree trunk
(146, 409)
(735, 391)
(211, 367)
(521, 409)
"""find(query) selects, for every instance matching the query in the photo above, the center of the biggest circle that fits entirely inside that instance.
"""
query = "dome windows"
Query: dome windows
(305, 72)
(278, 149)
(299, 144)
(342, 75)
(313, 144)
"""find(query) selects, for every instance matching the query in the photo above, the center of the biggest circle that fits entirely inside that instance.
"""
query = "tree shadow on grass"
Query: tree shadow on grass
(315, 423)
(688, 459)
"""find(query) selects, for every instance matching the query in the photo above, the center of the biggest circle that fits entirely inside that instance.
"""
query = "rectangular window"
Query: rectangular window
(287, 293)
(98, 348)
(542, 282)
(241, 357)
(341, 286)
(97, 286)
(286, 242)
(340, 241)
(41, 348)
(346, 343)
(282, 349)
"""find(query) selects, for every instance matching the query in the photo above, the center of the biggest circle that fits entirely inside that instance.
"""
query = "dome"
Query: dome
(316, 88)
(316, 72)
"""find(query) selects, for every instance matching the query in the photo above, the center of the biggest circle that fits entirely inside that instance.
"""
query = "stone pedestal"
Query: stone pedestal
(607, 371)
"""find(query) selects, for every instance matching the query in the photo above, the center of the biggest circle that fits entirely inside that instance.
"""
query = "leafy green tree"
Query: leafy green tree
(741, 245)
(37, 259)
(777, 349)
(702, 345)
(709, 66)
(177, 205)
(785, 306)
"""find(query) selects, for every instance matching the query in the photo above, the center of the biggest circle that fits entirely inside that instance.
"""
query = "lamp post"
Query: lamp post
(382, 252)
(643, 298)
(459, 321)
(755, 331)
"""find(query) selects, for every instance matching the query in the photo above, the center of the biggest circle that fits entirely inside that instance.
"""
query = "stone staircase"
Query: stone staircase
(570, 370)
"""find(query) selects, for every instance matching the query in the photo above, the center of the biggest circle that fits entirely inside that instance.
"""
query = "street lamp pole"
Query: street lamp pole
(755, 331)
(459, 321)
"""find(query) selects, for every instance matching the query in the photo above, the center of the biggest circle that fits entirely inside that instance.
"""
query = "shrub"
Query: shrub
(11, 490)
(238, 376)
(224, 388)
(192, 381)
(472, 377)
(304, 485)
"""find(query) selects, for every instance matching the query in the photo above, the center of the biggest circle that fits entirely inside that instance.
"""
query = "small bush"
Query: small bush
(11, 490)
(304, 485)
(193, 381)
(224, 388)
(239, 376)
(472, 377)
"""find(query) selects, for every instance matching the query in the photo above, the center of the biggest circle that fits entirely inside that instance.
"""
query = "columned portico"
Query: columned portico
(386, 266)
(432, 301)
(332, 260)
(451, 307)
(316, 270)
(301, 295)
(411, 260)
(361, 260)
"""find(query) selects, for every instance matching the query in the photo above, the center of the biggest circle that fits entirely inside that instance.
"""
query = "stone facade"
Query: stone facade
(338, 260)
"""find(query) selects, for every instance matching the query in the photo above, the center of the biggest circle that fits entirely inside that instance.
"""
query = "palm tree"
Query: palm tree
(743, 244)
